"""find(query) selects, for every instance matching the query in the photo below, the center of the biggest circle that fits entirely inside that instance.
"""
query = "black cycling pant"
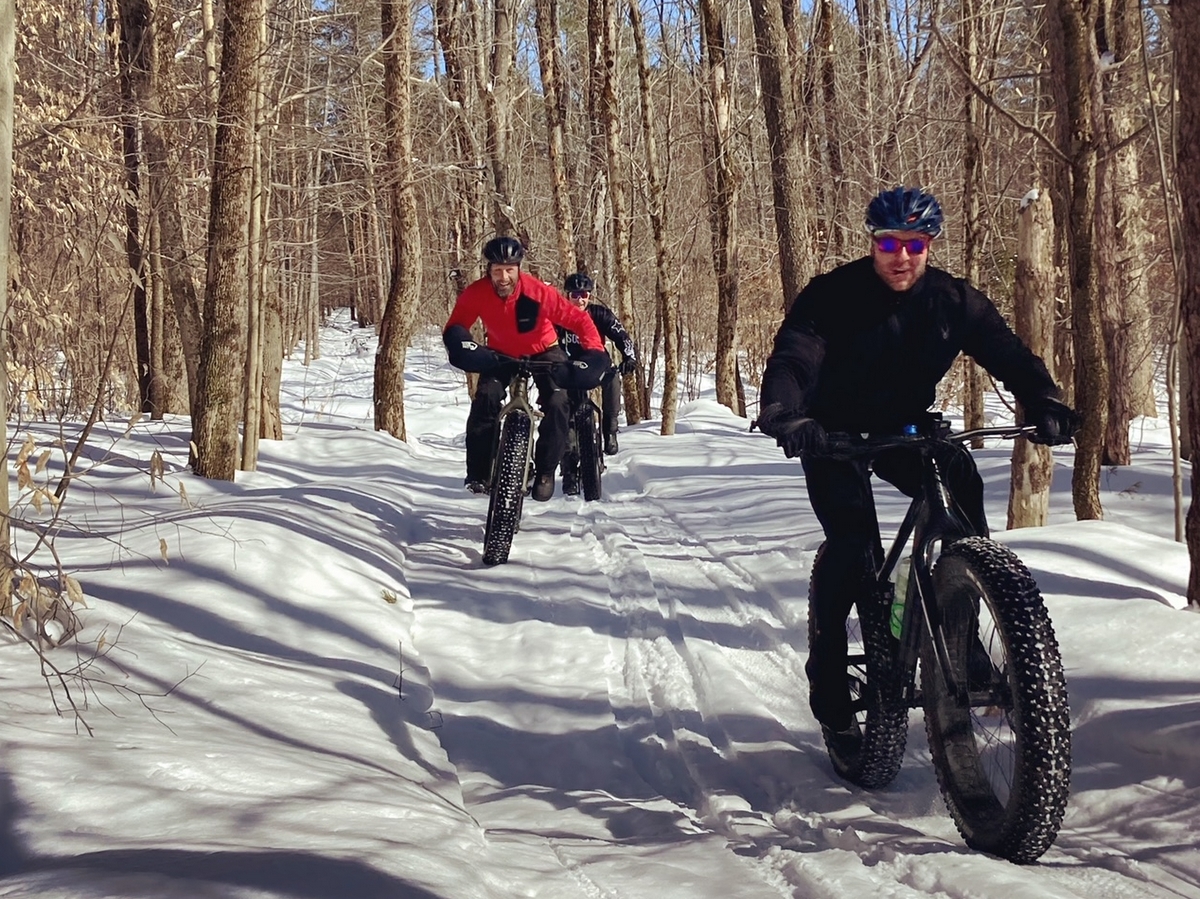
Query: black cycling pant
(485, 410)
(842, 499)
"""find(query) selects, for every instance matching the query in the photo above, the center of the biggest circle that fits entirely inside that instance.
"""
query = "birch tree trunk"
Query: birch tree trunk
(215, 429)
(404, 284)
(665, 300)
(723, 201)
(1033, 305)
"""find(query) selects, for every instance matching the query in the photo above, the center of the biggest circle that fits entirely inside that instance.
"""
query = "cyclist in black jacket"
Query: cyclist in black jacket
(862, 350)
(579, 288)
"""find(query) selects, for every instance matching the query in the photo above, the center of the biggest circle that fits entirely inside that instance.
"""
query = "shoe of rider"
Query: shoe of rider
(475, 486)
(610, 444)
(543, 487)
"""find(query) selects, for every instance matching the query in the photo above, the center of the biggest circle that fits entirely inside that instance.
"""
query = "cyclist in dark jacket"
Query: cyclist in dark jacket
(579, 288)
(862, 350)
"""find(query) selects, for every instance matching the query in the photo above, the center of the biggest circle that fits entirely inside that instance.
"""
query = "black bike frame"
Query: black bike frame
(933, 520)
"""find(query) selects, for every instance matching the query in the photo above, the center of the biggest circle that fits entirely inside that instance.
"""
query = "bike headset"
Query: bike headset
(905, 209)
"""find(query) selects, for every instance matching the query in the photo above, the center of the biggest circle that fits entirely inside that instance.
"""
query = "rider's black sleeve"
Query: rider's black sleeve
(610, 327)
(465, 353)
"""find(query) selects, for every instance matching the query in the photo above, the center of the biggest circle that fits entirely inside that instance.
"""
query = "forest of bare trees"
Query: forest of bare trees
(194, 185)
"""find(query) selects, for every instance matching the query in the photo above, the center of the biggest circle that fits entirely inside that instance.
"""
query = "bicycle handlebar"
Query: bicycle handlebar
(841, 445)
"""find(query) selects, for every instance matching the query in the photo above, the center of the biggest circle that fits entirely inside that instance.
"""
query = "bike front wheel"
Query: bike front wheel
(508, 488)
(591, 460)
(1001, 746)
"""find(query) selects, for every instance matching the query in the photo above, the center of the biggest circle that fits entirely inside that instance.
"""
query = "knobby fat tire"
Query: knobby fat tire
(508, 488)
(1015, 816)
(590, 456)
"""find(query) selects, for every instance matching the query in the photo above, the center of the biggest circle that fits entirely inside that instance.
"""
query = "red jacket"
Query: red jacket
(523, 324)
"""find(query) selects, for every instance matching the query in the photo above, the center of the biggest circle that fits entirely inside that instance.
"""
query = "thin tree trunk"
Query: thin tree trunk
(1186, 39)
(554, 93)
(136, 55)
(252, 400)
(215, 430)
(723, 201)
(7, 79)
(665, 299)
(973, 381)
(499, 124)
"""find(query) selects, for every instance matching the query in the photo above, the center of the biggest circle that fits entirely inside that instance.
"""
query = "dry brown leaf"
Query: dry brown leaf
(162, 550)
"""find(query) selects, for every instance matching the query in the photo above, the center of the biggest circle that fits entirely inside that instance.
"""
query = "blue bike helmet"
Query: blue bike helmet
(504, 251)
(578, 281)
(905, 209)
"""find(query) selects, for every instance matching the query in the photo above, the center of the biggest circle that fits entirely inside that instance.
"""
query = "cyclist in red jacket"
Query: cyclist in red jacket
(520, 314)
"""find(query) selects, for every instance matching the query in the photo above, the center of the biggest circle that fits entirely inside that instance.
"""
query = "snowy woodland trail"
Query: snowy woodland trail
(619, 711)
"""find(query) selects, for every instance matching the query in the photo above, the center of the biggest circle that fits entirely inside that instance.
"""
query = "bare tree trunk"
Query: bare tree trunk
(1073, 54)
(554, 92)
(723, 201)
(256, 252)
(1186, 20)
(832, 155)
(136, 55)
(404, 285)
(1033, 302)
(215, 429)
(973, 381)
(8, 39)
(499, 124)
(665, 299)
(783, 135)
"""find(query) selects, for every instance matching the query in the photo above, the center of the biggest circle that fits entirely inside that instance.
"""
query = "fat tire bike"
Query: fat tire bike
(991, 677)
(512, 462)
(583, 462)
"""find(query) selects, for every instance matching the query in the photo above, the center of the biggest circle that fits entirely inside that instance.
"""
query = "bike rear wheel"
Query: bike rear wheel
(871, 753)
(1003, 753)
(591, 459)
(508, 488)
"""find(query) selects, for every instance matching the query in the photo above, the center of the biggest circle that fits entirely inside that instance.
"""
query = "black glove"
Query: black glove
(793, 431)
(628, 366)
(585, 371)
(465, 353)
(1056, 423)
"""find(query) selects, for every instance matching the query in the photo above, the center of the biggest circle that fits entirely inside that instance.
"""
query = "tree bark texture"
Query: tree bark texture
(783, 133)
(666, 302)
(223, 348)
(723, 201)
(1033, 312)
(8, 15)
(1186, 21)
(404, 282)
(1074, 58)
(554, 92)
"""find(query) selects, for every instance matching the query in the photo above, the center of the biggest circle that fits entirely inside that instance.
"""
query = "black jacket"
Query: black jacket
(610, 328)
(857, 356)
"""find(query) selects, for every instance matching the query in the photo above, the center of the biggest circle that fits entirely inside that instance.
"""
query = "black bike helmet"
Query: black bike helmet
(504, 251)
(578, 281)
(905, 209)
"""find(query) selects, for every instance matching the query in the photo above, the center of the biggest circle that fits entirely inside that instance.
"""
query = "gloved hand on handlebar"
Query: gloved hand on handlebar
(465, 353)
(1056, 423)
(794, 432)
(627, 366)
(584, 371)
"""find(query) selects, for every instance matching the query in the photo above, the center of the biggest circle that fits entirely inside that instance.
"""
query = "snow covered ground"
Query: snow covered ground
(306, 684)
